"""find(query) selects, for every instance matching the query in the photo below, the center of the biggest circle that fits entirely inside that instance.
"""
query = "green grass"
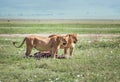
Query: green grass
(95, 60)
(16, 28)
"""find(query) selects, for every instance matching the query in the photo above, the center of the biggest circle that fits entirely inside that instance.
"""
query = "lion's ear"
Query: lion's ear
(76, 34)
(69, 35)
(58, 38)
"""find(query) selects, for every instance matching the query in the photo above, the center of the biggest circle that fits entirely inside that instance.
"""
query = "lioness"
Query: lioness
(71, 41)
(43, 44)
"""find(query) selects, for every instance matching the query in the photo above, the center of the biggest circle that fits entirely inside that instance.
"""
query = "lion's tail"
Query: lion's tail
(20, 44)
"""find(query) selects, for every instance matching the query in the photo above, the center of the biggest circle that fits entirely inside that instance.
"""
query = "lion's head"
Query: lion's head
(73, 38)
(62, 40)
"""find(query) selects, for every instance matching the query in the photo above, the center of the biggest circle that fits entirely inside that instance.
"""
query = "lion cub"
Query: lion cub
(72, 39)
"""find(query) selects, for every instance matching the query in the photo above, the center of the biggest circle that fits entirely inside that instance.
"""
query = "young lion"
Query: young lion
(71, 41)
(43, 44)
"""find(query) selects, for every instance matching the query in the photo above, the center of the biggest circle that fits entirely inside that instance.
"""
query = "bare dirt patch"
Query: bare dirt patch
(59, 21)
(46, 35)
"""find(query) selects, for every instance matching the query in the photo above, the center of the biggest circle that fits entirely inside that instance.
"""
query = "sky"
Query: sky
(60, 9)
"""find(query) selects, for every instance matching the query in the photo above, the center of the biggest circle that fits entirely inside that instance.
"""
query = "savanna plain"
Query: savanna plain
(95, 58)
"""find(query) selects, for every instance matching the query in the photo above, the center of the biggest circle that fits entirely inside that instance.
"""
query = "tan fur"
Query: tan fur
(71, 41)
(43, 44)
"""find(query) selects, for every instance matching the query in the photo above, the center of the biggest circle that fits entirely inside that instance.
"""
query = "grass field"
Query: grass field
(30, 28)
(96, 59)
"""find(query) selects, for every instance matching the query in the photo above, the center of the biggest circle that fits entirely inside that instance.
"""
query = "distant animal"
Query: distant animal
(43, 44)
(72, 39)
